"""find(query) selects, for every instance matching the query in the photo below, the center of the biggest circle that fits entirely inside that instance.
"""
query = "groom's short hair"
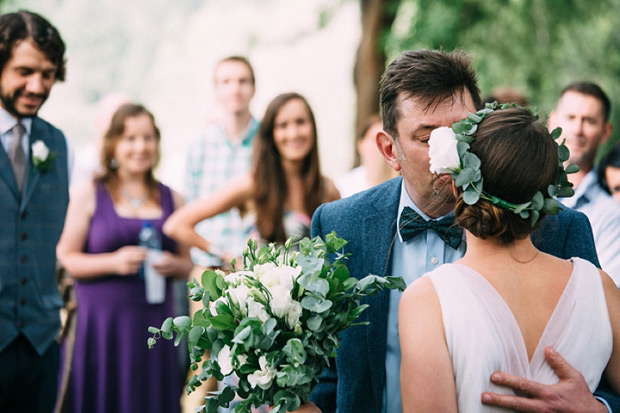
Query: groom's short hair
(429, 76)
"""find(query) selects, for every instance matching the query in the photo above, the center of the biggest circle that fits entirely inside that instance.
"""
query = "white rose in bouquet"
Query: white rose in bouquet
(213, 304)
(443, 153)
(270, 275)
(293, 305)
(283, 305)
(235, 278)
(257, 310)
(263, 377)
(239, 296)
(225, 361)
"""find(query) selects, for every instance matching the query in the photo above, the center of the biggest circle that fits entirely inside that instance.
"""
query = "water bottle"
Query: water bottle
(155, 284)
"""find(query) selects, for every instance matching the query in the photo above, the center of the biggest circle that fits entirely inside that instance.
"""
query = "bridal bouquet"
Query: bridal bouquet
(274, 324)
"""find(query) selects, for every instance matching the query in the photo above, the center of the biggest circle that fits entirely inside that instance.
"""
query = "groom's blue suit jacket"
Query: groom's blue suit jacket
(355, 381)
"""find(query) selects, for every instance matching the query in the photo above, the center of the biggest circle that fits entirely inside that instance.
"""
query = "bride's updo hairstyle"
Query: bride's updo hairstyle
(518, 158)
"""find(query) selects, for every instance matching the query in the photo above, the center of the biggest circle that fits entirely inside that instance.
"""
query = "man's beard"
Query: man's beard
(8, 103)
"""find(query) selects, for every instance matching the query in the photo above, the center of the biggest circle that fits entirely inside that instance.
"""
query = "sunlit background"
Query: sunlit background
(162, 54)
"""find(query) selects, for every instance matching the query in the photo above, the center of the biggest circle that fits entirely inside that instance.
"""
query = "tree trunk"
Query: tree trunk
(377, 18)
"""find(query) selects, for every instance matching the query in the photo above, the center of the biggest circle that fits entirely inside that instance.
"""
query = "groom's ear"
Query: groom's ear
(388, 148)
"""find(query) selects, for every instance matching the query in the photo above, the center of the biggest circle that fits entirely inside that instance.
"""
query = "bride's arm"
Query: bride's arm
(426, 378)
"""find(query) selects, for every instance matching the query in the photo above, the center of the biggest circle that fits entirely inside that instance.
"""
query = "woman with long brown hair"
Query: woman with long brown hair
(112, 369)
(281, 192)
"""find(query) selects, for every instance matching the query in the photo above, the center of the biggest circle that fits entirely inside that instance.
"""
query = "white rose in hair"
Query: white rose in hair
(40, 151)
(444, 157)
(263, 377)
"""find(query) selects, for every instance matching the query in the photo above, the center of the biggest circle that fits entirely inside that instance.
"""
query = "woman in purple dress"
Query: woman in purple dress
(112, 369)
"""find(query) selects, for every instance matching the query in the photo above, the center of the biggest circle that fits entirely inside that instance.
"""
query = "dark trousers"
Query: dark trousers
(28, 381)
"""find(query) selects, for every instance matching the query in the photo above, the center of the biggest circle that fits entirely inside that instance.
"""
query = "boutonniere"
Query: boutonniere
(41, 156)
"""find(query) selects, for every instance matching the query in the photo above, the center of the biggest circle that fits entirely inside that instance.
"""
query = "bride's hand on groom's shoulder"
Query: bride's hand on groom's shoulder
(570, 394)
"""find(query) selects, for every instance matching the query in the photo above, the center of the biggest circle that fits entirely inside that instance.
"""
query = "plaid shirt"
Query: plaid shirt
(212, 161)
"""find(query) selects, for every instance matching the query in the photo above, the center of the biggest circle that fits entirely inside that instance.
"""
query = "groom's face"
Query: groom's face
(431, 193)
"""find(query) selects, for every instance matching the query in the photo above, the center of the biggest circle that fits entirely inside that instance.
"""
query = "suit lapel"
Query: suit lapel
(379, 230)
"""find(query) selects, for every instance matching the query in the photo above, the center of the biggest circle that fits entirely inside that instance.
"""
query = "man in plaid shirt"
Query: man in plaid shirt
(220, 153)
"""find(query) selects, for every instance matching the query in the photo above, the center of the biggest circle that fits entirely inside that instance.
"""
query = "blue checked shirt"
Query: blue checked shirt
(411, 259)
(212, 161)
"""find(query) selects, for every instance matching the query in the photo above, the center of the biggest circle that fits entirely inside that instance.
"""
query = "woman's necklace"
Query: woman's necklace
(135, 202)
(527, 260)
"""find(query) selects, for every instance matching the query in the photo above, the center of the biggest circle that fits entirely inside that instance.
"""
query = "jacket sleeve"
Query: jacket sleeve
(565, 235)
(580, 240)
(604, 392)
(324, 394)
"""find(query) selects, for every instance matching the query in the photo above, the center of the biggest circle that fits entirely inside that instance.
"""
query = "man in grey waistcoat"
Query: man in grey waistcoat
(34, 180)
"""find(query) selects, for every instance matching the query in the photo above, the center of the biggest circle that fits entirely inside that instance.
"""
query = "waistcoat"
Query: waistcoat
(30, 226)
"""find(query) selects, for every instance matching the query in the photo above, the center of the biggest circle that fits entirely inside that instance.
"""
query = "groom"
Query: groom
(422, 90)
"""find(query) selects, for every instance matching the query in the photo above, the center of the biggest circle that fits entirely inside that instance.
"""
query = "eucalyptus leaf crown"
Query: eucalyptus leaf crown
(466, 171)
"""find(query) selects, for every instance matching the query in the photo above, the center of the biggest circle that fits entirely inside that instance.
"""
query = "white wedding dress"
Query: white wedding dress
(483, 336)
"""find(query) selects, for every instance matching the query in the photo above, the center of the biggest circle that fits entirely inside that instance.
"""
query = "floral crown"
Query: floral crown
(448, 151)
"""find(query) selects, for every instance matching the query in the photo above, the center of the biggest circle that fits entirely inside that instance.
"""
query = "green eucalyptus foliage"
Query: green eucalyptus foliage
(535, 46)
(330, 299)
(469, 178)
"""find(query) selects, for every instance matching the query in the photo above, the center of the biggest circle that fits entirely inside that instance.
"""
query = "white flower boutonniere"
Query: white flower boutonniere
(41, 156)
(443, 153)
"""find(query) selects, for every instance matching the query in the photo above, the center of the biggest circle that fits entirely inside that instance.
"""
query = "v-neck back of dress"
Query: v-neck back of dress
(483, 336)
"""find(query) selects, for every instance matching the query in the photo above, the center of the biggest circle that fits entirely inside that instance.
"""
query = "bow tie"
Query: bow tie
(412, 224)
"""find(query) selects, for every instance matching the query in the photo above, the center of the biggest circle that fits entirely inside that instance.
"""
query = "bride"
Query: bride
(505, 303)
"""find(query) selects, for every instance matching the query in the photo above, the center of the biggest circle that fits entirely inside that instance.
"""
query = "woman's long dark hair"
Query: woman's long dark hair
(109, 175)
(271, 191)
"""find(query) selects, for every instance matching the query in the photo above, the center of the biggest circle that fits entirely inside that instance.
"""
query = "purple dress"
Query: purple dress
(113, 370)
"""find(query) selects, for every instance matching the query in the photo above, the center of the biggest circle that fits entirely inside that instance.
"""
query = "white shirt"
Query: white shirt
(7, 122)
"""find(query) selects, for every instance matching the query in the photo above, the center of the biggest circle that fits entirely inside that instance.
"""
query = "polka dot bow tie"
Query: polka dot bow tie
(412, 224)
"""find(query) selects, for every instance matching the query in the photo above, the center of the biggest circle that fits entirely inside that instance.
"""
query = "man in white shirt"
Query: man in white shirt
(582, 111)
